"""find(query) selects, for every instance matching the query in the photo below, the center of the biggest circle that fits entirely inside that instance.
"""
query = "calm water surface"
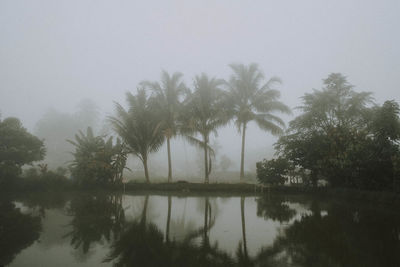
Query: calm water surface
(154, 230)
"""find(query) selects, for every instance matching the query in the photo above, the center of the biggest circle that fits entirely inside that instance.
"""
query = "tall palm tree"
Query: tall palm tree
(168, 95)
(139, 127)
(253, 101)
(204, 113)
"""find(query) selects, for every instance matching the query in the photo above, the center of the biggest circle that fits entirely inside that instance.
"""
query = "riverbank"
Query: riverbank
(193, 187)
(186, 188)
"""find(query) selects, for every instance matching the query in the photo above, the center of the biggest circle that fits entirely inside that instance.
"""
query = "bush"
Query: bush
(272, 171)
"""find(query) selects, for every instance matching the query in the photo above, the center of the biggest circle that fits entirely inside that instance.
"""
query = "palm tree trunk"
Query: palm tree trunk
(206, 179)
(242, 154)
(169, 160)
(243, 226)
(146, 170)
(168, 219)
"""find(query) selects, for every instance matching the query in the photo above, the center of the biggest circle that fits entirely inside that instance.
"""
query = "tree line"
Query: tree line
(340, 136)
(161, 110)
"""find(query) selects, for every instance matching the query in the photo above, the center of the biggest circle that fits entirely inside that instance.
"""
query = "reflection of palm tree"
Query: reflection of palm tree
(144, 211)
(242, 199)
(143, 244)
(243, 258)
(207, 221)
(168, 219)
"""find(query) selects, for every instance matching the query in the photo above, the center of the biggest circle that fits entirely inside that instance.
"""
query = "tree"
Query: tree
(96, 160)
(331, 136)
(385, 126)
(385, 122)
(55, 127)
(225, 162)
(17, 148)
(139, 127)
(273, 171)
(168, 102)
(253, 101)
(205, 111)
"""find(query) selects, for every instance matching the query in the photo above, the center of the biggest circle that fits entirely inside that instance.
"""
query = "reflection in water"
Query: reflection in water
(241, 252)
(168, 219)
(17, 231)
(95, 217)
(341, 239)
(274, 208)
(270, 230)
(142, 244)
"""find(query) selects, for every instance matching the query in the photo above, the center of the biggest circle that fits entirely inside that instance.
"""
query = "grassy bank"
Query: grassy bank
(192, 187)
(185, 188)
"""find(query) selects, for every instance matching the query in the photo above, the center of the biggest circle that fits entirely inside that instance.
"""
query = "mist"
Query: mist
(55, 54)
(199, 133)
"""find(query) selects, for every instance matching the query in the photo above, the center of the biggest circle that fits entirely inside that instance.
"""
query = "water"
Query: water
(207, 230)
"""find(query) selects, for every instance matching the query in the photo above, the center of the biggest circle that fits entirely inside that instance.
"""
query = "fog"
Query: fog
(54, 54)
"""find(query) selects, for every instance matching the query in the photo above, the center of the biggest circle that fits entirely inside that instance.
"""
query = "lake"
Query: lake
(100, 229)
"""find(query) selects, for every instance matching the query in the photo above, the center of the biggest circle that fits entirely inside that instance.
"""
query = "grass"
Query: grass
(192, 187)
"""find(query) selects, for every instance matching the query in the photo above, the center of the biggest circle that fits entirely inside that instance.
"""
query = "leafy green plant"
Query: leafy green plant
(96, 160)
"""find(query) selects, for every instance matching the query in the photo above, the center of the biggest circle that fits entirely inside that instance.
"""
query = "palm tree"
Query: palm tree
(253, 101)
(139, 127)
(204, 113)
(167, 95)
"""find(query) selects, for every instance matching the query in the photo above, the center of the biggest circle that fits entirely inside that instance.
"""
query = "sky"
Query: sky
(55, 53)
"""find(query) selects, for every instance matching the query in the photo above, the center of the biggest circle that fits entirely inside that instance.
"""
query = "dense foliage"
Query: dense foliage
(17, 148)
(342, 138)
(96, 160)
(273, 171)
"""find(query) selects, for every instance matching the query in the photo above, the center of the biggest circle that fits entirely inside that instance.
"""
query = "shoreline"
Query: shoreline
(225, 189)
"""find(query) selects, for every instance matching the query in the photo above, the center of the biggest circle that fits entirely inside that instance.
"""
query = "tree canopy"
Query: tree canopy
(17, 148)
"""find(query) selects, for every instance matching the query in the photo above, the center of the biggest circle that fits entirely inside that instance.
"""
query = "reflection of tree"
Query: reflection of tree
(41, 202)
(344, 237)
(94, 218)
(168, 219)
(274, 208)
(142, 244)
(241, 252)
(17, 231)
(179, 227)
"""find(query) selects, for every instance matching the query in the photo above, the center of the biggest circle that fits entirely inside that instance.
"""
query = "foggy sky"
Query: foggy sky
(55, 53)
